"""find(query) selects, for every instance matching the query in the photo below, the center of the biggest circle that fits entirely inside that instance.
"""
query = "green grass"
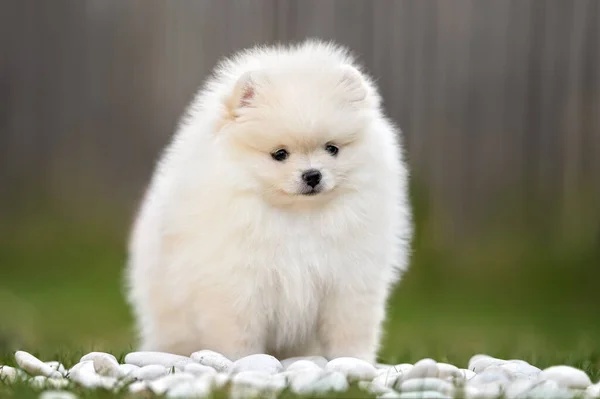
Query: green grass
(514, 294)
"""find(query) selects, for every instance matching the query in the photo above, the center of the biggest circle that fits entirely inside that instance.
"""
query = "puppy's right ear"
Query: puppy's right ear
(244, 93)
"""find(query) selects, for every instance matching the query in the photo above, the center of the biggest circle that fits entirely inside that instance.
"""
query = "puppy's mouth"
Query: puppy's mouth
(311, 191)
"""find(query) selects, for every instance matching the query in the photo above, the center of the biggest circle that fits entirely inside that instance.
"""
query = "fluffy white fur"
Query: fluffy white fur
(228, 254)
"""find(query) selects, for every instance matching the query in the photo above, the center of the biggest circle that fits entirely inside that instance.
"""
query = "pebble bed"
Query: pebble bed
(196, 376)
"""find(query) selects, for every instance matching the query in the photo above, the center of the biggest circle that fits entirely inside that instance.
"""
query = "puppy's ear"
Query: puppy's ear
(353, 84)
(244, 93)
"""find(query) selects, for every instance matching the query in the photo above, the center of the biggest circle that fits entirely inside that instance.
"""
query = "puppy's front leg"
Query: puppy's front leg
(350, 323)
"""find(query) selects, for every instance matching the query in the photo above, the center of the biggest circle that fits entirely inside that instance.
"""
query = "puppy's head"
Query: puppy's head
(298, 135)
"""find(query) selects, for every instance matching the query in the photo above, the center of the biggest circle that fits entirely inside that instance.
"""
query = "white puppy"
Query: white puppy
(277, 218)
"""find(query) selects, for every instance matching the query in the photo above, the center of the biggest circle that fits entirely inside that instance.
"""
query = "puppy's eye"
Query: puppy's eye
(333, 150)
(280, 155)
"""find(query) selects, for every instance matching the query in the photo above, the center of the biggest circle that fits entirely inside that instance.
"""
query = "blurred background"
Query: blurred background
(498, 100)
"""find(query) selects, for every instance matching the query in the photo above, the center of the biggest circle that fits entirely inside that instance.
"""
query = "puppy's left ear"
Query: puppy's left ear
(353, 84)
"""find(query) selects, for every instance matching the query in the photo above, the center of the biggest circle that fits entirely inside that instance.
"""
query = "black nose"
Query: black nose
(312, 177)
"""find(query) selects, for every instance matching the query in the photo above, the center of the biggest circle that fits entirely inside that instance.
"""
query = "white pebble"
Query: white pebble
(163, 384)
(168, 360)
(258, 362)
(521, 369)
(422, 369)
(106, 366)
(94, 355)
(35, 366)
(549, 389)
(8, 374)
(212, 359)
(389, 395)
(403, 367)
(449, 371)
(198, 369)
(318, 360)
(478, 363)
(567, 376)
(260, 380)
(150, 372)
(84, 374)
(374, 387)
(317, 381)
(593, 391)
(138, 386)
(388, 378)
(126, 370)
(302, 365)
(491, 374)
(41, 382)
(383, 366)
(490, 390)
(519, 388)
(198, 388)
(330, 381)
(219, 380)
(421, 395)
(426, 384)
(352, 368)
(57, 395)
(57, 366)
(468, 374)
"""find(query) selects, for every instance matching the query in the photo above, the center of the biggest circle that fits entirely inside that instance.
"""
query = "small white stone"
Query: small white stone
(567, 376)
(478, 363)
(318, 360)
(212, 359)
(426, 384)
(423, 369)
(374, 387)
(138, 386)
(403, 367)
(490, 390)
(491, 374)
(593, 391)
(35, 366)
(260, 380)
(389, 378)
(549, 389)
(168, 360)
(198, 369)
(150, 372)
(106, 366)
(8, 374)
(422, 395)
(331, 381)
(126, 370)
(302, 365)
(383, 366)
(352, 368)
(389, 395)
(449, 371)
(468, 374)
(57, 395)
(84, 374)
(312, 381)
(519, 388)
(163, 384)
(57, 366)
(198, 388)
(258, 362)
(219, 380)
(41, 382)
(94, 355)
(521, 369)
